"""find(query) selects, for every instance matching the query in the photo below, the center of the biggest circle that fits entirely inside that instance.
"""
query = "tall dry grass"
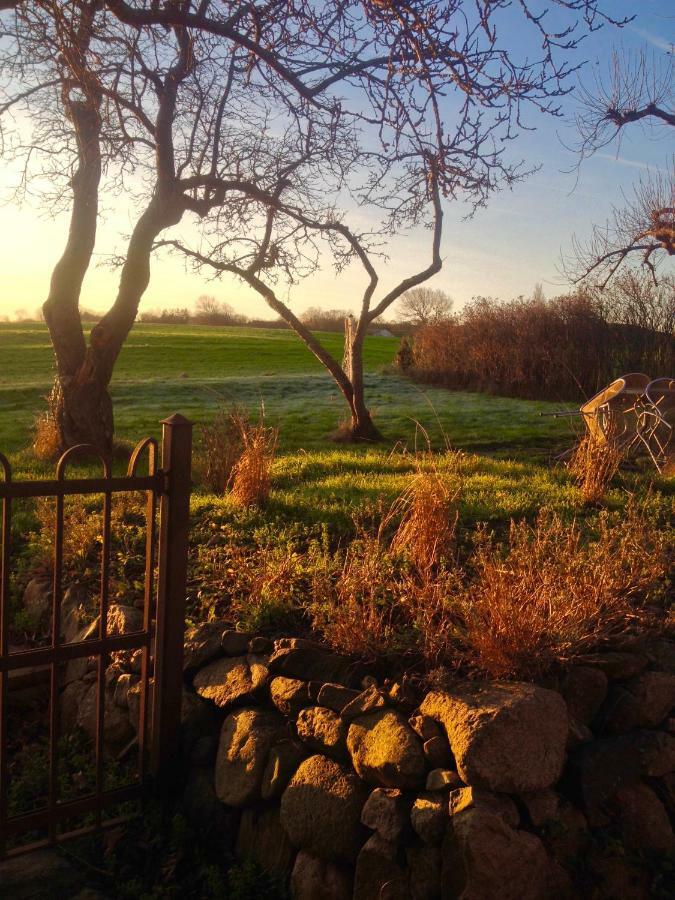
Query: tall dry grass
(428, 511)
(251, 474)
(221, 447)
(594, 463)
(46, 438)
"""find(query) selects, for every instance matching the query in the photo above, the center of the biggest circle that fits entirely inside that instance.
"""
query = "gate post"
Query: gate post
(174, 521)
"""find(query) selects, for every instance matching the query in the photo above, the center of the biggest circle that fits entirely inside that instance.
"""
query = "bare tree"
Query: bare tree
(639, 89)
(255, 120)
(424, 306)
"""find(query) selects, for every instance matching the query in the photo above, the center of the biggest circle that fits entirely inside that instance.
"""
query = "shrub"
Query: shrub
(426, 531)
(593, 464)
(221, 447)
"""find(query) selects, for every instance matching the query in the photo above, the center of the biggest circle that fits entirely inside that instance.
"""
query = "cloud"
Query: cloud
(622, 161)
(655, 40)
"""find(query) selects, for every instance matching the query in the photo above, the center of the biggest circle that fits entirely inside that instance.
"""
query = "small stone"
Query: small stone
(644, 821)
(584, 690)
(246, 738)
(377, 869)
(368, 700)
(425, 727)
(283, 760)
(314, 878)
(478, 798)
(443, 780)
(289, 695)
(429, 817)
(616, 666)
(321, 809)
(385, 750)
(202, 645)
(260, 645)
(542, 806)
(437, 753)
(323, 730)
(335, 697)
(231, 679)
(235, 643)
(385, 812)
(262, 839)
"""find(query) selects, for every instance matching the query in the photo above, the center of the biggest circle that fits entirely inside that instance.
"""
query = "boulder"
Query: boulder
(385, 812)
(378, 873)
(289, 695)
(284, 758)
(429, 817)
(117, 729)
(311, 664)
(37, 597)
(644, 702)
(370, 699)
(335, 697)
(201, 805)
(260, 645)
(568, 841)
(314, 878)
(385, 750)
(616, 665)
(479, 798)
(231, 679)
(245, 742)
(506, 737)
(437, 753)
(643, 820)
(235, 643)
(424, 873)
(425, 727)
(121, 691)
(483, 857)
(71, 699)
(542, 806)
(321, 809)
(40, 875)
(584, 690)
(323, 731)
(202, 645)
(262, 839)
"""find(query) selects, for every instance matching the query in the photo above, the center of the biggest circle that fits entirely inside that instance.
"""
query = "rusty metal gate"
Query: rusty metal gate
(160, 639)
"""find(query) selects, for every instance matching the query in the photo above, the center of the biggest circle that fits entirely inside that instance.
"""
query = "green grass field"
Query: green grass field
(510, 473)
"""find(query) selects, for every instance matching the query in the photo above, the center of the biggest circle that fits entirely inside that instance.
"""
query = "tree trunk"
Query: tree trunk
(84, 413)
(362, 425)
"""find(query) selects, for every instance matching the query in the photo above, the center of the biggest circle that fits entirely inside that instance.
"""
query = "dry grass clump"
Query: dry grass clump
(429, 513)
(46, 437)
(221, 448)
(549, 595)
(594, 463)
(251, 474)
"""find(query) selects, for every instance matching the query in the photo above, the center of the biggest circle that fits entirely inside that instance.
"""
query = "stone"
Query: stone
(437, 753)
(40, 875)
(424, 872)
(443, 780)
(37, 597)
(204, 750)
(402, 695)
(314, 878)
(644, 702)
(246, 738)
(483, 857)
(661, 653)
(201, 804)
(231, 679)
(542, 806)
(577, 734)
(323, 731)
(584, 690)
(73, 609)
(335, 697)
(289, 695)
(260, 645)
(284, 758)
(321, 809)
(262, 839)
(378, 873)
(425, 727)
(311, 664)
(644, 820)
(368, 700)
(71, 698)
(202, 645)
(429, 817)
(385, 751)
(616, 665)
(235, 643)
(124, 619)
(509, 738)
(121, 692)
(199, 720)
(599, 769)
(617, 878)
(479, 798)
(568, 841)
(385, 812)
(297, 643)
(117, 729)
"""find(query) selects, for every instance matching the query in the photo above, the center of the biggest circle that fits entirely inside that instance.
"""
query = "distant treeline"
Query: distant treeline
(565, 348)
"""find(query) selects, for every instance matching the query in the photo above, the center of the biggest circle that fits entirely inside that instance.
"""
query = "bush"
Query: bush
(251, 472)
(221, 447)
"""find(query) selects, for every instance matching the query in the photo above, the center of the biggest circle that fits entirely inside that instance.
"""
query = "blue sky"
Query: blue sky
(503, 251)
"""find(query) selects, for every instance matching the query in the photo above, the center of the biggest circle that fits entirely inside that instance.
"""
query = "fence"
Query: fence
(160, 639)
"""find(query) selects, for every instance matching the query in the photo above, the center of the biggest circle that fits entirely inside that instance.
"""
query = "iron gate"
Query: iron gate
(160, 640)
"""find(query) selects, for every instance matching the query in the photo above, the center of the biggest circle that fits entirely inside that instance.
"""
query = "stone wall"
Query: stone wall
(347, 787)
(350, 788)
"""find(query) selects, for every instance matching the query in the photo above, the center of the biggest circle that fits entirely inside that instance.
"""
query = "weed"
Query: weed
(594, 463)
(251, 472)
(221, 447)
(46, 436)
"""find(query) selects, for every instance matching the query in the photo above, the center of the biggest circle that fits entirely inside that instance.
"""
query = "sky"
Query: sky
(503, 251)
